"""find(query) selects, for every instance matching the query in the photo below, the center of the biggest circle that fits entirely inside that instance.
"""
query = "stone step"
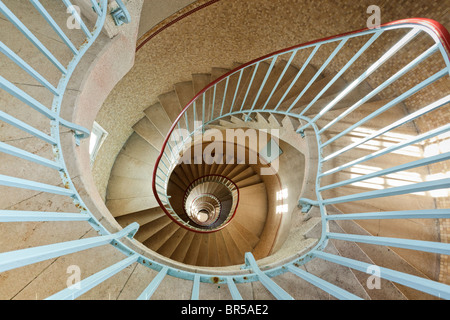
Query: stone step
(249, 181)
(126, 166)
(141, 217)
(156, 241)
(179, 254)
(148, 230)
(149, 133)
(193, 251)
(159, 118)
(120, 207)
(125, 188)
(137, 148)
(169, 101)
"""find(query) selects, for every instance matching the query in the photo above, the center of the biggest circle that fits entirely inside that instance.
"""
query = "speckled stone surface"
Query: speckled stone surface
(156, 11)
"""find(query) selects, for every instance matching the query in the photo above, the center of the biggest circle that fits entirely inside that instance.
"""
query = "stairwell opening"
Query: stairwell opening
(223, 226)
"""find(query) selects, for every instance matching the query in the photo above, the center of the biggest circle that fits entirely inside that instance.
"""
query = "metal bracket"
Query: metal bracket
(78, 131)
(247, 117)
(306, 204)
(302, 133)
(129, 231)
(306, 207)
(121, 14)
(78, 138)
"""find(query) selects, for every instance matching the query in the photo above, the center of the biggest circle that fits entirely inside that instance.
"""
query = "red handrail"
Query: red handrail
(435, 27)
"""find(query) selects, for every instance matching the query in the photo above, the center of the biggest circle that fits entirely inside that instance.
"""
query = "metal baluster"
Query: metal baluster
(15, 259)
(73, 292)
(150, 290)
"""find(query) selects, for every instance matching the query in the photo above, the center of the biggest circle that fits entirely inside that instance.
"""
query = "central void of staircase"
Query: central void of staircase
(239, 206)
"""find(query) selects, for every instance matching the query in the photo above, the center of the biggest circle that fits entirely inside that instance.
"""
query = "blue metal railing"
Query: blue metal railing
(19, 258)
(248, 106)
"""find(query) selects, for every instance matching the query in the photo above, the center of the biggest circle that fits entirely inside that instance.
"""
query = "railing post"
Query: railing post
(121, 14)
(148, 292)
(307, 204)
(274, 289)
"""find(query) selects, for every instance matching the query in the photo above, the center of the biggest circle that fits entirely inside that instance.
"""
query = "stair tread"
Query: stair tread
(299, 85)
(247, 98)
(193, 251)
(223, 257)
(159, 118)
(341, 276)
(329, 95)
(170, 245)
(141, 217)
(249, 181)
(353, 251)
(136, 147)
(252, 217)
(180, 174)
(122, 207)
(180, 252)
(149, 229)
(224, 100)
(158, 239)
(237, 170)
(213, 253)
(185, 93)
(402, 156)
(241, 242)
(187, 172)
(171, 104)
(384, 119)
(401, 202)
(201, 81)
(125, 188)
(245, 232)
(126, 166)
(234, 251)
(383, 257)
(149, 132)
(247, 173)
(274, 78)
(202, 258)
(217, 72)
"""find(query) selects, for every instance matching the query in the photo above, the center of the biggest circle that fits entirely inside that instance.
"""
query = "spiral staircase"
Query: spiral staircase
(343, 194)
